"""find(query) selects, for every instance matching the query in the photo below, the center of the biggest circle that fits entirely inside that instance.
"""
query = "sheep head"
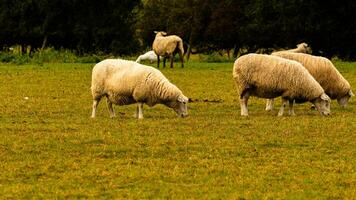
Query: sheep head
(179, 105)
(305, 47)
(322, 104)
(160, 33)
(345, 99)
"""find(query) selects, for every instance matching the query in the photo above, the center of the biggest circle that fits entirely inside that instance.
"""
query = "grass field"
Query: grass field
(51, 148)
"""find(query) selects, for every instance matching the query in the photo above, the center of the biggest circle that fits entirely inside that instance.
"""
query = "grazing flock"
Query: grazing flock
(294, 75)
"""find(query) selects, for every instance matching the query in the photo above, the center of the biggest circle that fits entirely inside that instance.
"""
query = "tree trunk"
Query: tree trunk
(189, 52)
(44, 43)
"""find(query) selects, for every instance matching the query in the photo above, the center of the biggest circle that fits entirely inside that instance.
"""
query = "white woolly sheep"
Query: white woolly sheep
(126, 82)
(167, 46)
(286, 78)
(323, 70)
(150, 56)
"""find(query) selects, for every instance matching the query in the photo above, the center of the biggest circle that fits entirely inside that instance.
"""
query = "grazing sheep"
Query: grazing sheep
(150, 56)
(268, 76)
(323, 70)
(126, 82)
(167, 46)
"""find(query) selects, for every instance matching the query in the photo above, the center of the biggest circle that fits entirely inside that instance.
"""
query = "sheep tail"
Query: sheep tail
(180, 46)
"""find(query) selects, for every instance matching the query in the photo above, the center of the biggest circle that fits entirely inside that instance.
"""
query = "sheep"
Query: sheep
(167, 46)
(150, 56)
(286, 78)
(323, 70)
(126, 82)
(301, 48)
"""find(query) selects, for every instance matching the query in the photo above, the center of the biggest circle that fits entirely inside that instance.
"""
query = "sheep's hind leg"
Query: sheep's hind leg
(269, 104)
(95, 105)
(139, 111)
(171, 59)
(281, 110)
(110, 108)
(291, 109)
(181, 56)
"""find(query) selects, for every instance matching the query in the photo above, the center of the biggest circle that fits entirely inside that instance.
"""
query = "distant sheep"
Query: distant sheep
(167, 46)
(323, 70)
(286, 78)
(127, 82)
(150, 56)
(301, 48)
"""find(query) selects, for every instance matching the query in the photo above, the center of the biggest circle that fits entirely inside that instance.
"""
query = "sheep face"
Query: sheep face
(305, 47)
(160, 33)
(322, 104)
(179, 106)
(345, 99)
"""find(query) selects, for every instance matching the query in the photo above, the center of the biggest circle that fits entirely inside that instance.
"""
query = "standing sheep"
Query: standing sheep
(286, 78)
(127, 82)
(323, 70)
(167, 46)
(150, 56)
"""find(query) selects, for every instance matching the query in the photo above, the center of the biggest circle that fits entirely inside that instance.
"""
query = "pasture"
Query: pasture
(51, 148)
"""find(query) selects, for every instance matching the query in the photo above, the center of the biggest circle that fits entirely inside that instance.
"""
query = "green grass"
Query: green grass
(50, 148)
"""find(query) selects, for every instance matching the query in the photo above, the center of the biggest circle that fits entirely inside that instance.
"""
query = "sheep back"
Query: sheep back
(270, 76)
(323, 70)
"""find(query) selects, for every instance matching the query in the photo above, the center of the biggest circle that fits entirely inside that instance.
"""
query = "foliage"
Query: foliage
(253, 25)
(84, 26)
(50, 55)
(125, 27)
(51, 149)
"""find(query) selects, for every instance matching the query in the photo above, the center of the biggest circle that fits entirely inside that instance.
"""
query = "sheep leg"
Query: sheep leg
(158, 61)
(269, 104)
(95, 105)
(139, 111)
(111, 109)
(243, 102)
(281, 110)
(291, 109)
(164, 62)
(181, 58)
(171, 58)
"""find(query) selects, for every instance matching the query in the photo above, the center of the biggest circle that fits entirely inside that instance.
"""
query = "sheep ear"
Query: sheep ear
(183, 99)
(155, 32)
(325, 97)
(351, 93)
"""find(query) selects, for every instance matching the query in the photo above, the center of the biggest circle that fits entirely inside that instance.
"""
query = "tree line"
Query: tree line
(126, 26)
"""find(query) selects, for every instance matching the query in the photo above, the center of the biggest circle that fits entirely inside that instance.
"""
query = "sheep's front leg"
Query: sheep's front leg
(139, 111)
(110, 108)
(164, 62)
(158, 61)
(243, 103)
(269, 104)
(291, 108)
(281, 110)
(95, 105)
